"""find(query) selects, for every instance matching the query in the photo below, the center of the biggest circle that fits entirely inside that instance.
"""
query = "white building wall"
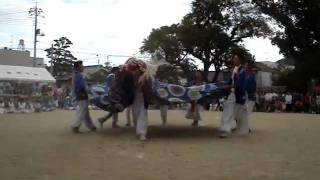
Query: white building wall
(264, 79)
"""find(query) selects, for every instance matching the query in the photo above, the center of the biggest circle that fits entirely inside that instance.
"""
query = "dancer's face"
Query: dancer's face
(80, 68)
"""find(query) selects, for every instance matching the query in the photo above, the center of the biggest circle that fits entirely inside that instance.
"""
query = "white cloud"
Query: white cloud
(262, 49)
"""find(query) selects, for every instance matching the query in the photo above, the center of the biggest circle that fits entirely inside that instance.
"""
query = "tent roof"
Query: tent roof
(22, 73)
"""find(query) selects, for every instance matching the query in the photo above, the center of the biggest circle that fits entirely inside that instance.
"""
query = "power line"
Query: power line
(105, 55)
(8, 20)
(16, 24)
(17, 8)
(8, 5)
(12, 13)
(13, 10)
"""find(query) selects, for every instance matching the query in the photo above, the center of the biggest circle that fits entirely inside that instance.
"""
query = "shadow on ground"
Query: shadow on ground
(165, 132)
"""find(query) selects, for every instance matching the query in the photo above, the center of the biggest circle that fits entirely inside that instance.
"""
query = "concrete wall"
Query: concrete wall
(264, 79)
(18, 58)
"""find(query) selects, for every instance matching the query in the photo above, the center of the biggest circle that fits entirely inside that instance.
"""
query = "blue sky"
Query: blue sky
(102, 27)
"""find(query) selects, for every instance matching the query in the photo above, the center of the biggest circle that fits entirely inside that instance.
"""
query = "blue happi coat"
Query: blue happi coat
(240, 86)
(251, 86)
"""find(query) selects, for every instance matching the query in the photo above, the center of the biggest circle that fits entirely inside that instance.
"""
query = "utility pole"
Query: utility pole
(35, 12)
(98, 59)
(35, 35)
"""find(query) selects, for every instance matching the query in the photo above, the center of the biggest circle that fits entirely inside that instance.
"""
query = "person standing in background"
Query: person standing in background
(2, 106)
(163, 106)
(306, 103)
(81, 97)
(251, 87)
(11, 106)
(195, 108)
(288, 100)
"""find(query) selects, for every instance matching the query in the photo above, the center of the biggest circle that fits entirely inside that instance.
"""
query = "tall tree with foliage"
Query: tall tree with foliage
(164, 44)
(299, 37)
(213, 30)
(61, 57)
(210, 33)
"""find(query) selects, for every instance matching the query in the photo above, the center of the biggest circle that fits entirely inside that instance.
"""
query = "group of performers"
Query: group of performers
(132, 86)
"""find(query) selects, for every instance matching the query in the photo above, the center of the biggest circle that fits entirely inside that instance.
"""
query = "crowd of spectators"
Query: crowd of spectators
(280, 101)
(288, 102)
(46, 99)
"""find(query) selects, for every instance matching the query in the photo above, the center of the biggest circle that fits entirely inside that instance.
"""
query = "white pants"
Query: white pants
(129, 114)
(2, 110)
(227, 120)
(140, 114)
(250, 106)
(194, 115)
(241, 115)
(163, 113)
(82, 115)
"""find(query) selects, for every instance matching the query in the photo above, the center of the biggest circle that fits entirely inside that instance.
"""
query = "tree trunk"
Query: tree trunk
(216, 74)
(206, 67)
(188, 73)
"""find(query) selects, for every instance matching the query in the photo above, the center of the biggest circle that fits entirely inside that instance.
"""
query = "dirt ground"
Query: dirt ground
(42, 147)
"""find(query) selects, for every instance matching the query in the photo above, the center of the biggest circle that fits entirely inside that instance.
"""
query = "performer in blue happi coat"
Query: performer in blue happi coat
(240, 109)
(81, 96)
(251, 86)
(234, 108)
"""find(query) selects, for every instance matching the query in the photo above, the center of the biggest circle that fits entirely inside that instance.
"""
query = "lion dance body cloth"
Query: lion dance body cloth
(170, 93)
(136, 75)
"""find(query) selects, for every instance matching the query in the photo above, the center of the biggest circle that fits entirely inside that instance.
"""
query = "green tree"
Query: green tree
(164, 44)
(61, 57)
(214, 29)
(209, 33)
(170, 74)
(299, 36)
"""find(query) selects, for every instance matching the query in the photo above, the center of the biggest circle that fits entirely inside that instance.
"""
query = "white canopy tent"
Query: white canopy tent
(25, 74)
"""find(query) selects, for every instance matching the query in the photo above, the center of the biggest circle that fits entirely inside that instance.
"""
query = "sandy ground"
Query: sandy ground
(41, 147)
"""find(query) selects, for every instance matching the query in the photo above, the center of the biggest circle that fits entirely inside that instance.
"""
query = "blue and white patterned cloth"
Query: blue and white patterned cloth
(179, 94)
(171, 93)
